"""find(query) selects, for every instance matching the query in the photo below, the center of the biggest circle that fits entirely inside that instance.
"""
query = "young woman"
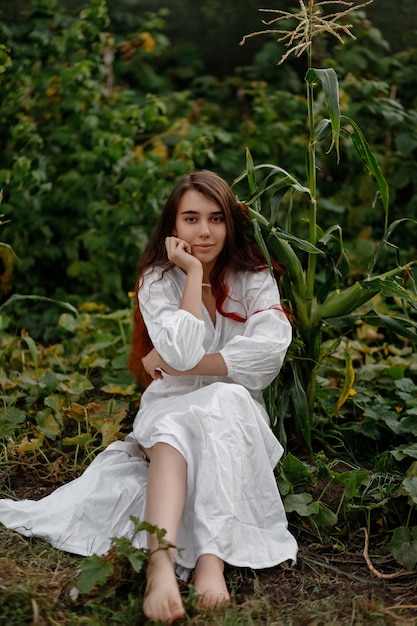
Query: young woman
(211, 335)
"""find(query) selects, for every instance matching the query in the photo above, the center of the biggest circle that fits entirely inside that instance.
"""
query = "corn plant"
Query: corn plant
(316, 284)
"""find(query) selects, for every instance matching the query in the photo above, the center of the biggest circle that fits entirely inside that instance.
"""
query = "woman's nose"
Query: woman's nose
(204, 229)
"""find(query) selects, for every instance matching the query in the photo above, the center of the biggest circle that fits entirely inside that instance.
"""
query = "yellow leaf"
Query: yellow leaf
(148, 42)
(119, 390)
(29, 445)
(349, 380)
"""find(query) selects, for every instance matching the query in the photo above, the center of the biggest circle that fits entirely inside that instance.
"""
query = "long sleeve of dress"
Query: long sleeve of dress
(255, 356)
(176, 334)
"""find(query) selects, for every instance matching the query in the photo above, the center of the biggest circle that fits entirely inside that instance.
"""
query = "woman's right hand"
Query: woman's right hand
(179, 253)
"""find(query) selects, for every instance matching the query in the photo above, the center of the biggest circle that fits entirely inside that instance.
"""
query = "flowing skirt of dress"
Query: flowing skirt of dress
(233, 508)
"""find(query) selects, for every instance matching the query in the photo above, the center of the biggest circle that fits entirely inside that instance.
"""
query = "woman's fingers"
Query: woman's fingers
(152, 363)
(175, 247)
(179, 252)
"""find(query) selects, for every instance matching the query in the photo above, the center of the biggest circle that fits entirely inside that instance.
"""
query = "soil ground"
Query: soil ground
(330, 584)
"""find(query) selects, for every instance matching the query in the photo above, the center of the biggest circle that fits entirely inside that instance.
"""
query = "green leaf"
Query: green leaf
(283, 252)
(78, 440)
(409, 487)
(261, 243)
(32, 349)
(68, 322)
(10, 418)
(381, 249)
(325, 516)
(330, 86)
(397, 324)
(137, 558)
(47, 424)
(299, 400)
(276, 178)
(302, 244)
(295, 471)
(370, 162)
(93, 572)
(351, 481)
(400, 325)
(402, 452)
(250, 172)
(389, 288)
(301, 503)
(408, 425)
(18, 298)
(76, 384)
(403, 546)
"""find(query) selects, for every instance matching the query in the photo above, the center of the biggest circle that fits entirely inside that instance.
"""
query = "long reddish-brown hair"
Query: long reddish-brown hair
(240, 252)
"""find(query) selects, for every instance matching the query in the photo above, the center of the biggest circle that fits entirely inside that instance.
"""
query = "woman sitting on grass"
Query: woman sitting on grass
(211, 335)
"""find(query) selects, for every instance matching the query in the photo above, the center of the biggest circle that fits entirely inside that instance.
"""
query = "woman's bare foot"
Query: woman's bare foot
(209, 581)
(162, 596)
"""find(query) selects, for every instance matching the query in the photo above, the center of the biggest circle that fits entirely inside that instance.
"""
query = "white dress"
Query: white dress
(219, 424)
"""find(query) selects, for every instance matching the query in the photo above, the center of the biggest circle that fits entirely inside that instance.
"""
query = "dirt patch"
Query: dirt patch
(333, 580)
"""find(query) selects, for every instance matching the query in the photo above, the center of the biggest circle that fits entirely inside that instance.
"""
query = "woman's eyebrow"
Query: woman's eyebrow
(190, 212)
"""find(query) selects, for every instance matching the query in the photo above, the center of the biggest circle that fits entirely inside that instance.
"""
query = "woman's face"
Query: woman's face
(200, 222)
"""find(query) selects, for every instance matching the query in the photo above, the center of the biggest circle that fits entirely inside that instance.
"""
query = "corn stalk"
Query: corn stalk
(338, 304)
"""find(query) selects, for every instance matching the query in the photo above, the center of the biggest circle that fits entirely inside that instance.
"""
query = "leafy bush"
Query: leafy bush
(70, 398)
(86, 164)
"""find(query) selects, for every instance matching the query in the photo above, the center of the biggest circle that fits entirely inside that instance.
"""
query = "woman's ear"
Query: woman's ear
(174, 232)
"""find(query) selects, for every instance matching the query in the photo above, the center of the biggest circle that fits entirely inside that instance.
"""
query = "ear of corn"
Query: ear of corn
(343, 301)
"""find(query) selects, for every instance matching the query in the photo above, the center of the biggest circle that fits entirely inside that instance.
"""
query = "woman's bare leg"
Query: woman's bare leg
(209, 581)
(164, 506)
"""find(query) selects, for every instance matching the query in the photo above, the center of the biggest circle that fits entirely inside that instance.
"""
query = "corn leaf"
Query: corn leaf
(261, 243)
(32, 349)
(388, 287)
(402, 326)
(348, 383)
(16, 297)
(368, 158)
(385, 240)
(250, 171)
(299, 401)
(330, 85)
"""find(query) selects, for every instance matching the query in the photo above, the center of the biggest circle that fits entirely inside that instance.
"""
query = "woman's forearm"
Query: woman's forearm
(191, 297)
(210, 365)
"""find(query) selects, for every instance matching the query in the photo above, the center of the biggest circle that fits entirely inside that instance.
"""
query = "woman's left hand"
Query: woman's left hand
(155, 365)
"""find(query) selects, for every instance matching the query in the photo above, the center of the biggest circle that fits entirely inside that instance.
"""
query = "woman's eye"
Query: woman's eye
(218, 219)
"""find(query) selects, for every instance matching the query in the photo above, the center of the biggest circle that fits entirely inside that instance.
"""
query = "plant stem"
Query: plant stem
(310, 379)
(311, 171)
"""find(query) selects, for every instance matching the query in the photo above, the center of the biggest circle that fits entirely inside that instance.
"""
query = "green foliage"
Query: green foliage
(65, 401)
(121, 559)
(317, 286)
(404, 546)
(86, 164)
(89, 156)
(95, 131)
(71, 398)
